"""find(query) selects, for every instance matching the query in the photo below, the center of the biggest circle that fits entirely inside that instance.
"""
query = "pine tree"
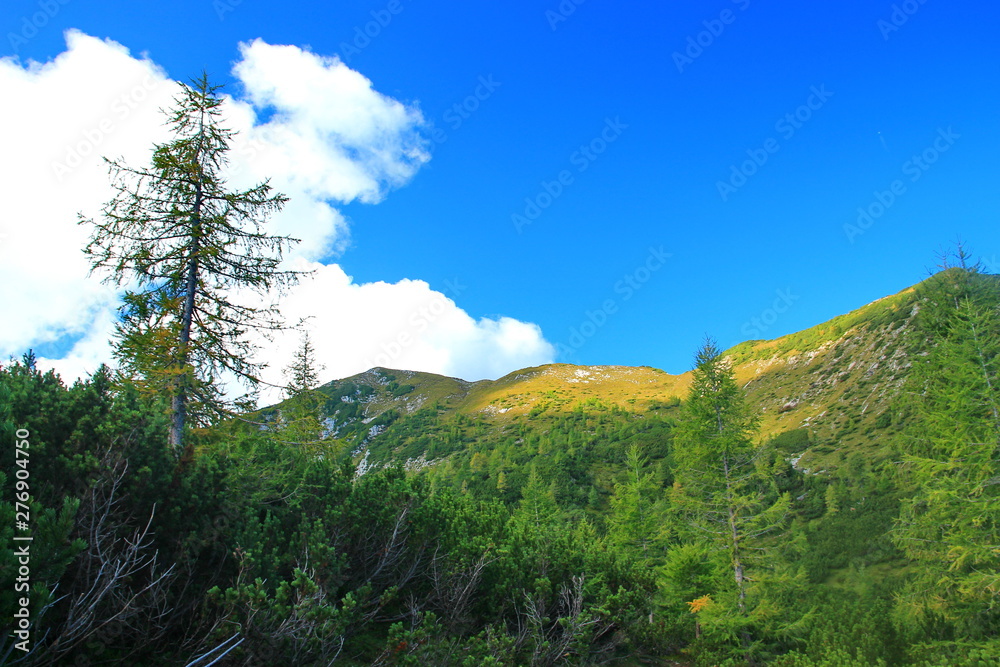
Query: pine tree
(951, 525)
(303, 373)
(724, 495)
(185, 245)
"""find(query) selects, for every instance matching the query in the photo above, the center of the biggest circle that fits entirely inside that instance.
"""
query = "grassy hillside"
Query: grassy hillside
(823, 392)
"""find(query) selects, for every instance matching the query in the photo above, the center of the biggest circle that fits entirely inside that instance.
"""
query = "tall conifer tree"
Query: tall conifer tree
(725, 496)
(303, 373)
(184, 246)
(951, 525)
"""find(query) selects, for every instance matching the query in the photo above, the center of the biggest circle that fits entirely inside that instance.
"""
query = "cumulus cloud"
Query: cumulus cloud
(316, 128)
(58, 118)
(404, 325)
(329, 138)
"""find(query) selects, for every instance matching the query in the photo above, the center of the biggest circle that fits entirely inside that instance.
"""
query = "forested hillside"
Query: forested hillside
(827, 498)
(823, 394)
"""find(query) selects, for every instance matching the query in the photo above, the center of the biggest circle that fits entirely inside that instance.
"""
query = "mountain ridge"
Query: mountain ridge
(820, 391)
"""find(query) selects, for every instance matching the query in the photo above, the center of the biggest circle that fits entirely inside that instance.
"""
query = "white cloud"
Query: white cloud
(88, 353)
(404, 325)
(316, 128)
(329, 137)
(57, 119)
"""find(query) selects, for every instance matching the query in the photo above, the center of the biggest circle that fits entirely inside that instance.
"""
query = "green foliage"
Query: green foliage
(398, 390)
(577, 454)
(426, 642)
(791, 442)
(385, 547)
(286, 544)
(303, 373)
(49, 554)
(861, 506)
(951, 524)
(538, 507)
(636, 508)
(182, 243)
(859, 633)
(91, 447)
(726, 497)
(583, 532)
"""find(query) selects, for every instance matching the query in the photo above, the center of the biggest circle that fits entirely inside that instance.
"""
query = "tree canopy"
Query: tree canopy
(194, 260)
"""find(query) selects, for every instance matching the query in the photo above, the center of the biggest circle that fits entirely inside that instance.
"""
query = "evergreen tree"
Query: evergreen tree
(303, 373)
(723, 494)
(185, 246)
(633, 521)
(300, 416)
(538, 506)
(951, 526)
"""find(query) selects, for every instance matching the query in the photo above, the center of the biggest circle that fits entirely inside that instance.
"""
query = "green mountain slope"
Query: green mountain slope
(823, 396)
(822, 392)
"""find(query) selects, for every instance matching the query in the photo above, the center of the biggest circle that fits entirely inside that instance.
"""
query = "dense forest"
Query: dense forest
(149, 519)
(597, 535)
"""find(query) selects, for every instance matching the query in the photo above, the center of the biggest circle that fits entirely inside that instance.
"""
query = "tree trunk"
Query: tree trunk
(179, 400)
(737, 561)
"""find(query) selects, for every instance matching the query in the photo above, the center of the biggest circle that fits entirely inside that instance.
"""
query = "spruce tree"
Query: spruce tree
(723, 494)
(184, 246)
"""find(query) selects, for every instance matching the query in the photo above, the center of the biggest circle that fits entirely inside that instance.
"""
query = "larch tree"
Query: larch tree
(189, 251)
(722, 492)
(300, 416)
(951, 447)
(538, 507)
(302, 374)
(633, 521)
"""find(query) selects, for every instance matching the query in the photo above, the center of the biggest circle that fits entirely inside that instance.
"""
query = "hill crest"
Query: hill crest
(825, 385)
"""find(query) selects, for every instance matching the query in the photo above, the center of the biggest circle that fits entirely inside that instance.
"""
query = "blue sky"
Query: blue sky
(643, 112)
